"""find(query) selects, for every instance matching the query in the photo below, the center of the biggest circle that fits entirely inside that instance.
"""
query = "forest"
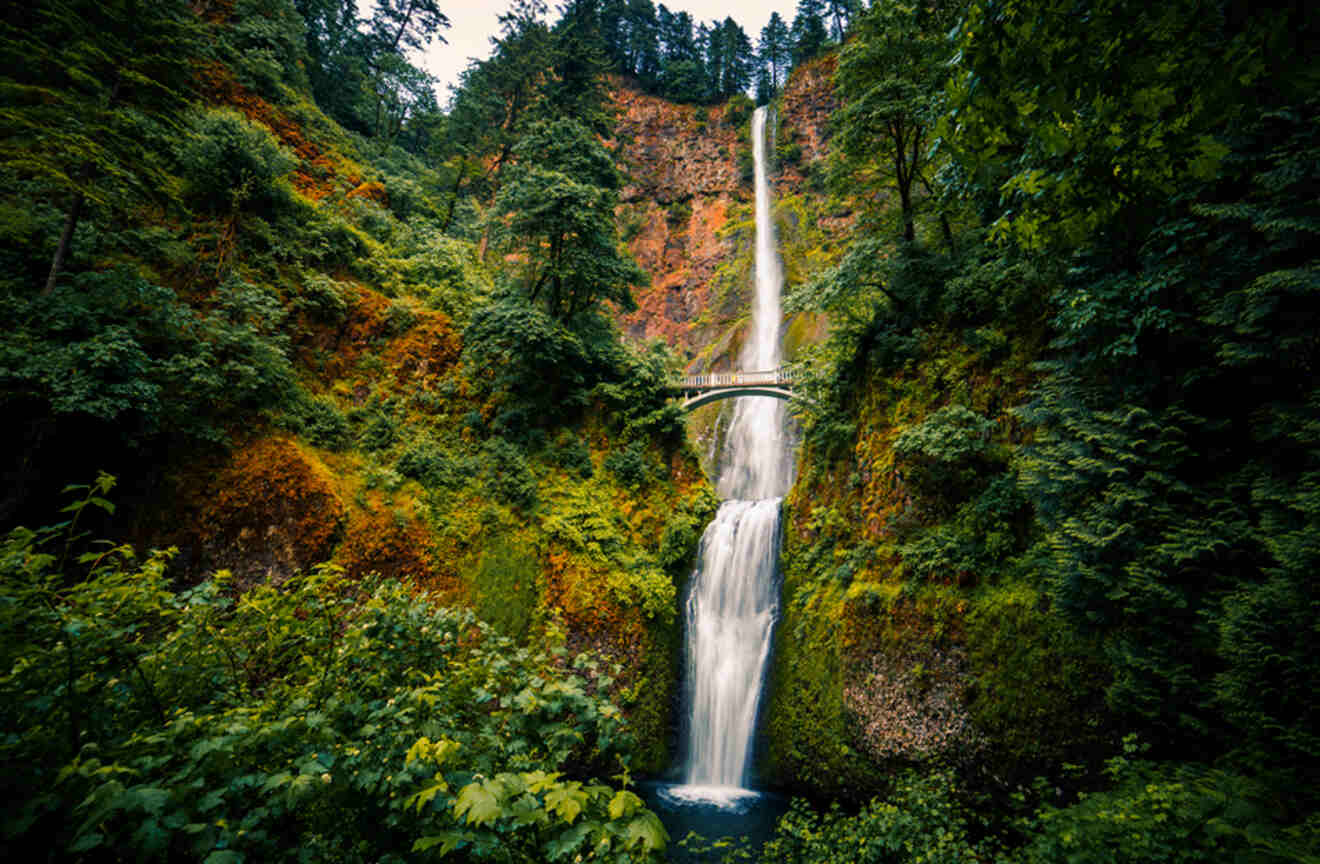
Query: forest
(348, 514)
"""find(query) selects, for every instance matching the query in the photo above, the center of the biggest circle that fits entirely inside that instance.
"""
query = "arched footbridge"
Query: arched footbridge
(698, 390)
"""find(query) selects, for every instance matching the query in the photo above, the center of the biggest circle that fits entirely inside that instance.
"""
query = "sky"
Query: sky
(474, 22)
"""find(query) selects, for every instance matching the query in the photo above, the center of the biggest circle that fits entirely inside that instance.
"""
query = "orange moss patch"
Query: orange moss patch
(373, 191)
(426, 352)
(342, 345)
(270, 512)
(217, 83)
(397, 548)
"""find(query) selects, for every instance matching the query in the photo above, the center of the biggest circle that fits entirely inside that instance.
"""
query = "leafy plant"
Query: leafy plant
(350, 713)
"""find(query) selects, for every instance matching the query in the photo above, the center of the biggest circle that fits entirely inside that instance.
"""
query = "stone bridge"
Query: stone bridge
(698, 390)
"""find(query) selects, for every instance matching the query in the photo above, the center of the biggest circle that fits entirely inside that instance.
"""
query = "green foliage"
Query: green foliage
(115, 348)
(561, 196)
(920, 820)
(508, 590)
(572, 454)
(943, 457)
(507, 473)
(682, 537)
(353, 715)
(1157, 813)
(318, 420)
(430, 464)
(230, 164)
(1036, 684)
(534, 365)
(263, 43)
(630, 465)
(980, 538)
(738, 110)
(93, 93)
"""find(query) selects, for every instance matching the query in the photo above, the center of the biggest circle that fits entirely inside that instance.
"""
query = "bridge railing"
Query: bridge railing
(711, 380)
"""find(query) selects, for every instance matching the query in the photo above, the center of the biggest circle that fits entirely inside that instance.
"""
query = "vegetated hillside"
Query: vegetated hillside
(370, 444)
(318, 380)
(1058, 453)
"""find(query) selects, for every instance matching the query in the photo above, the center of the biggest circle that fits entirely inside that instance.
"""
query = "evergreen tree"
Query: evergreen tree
(808, 31)
(644, 42)
(87, 85)
(736, 59)
(775, 52)
(497, 96)
(891, 77)
(840, 13)
(576, 87)
(561, 198)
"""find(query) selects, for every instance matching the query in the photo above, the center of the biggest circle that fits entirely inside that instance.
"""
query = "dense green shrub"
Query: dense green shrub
(1180, 813)
(507, 473)
(572, 454)
(231, 164)
(327, 716)
(919, 821)
(323, 298)
(319, 420)
(118, 349)
(630, 464)
(434, 466)
(943, 456)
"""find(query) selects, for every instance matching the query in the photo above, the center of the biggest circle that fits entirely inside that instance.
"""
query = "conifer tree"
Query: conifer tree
(775, 50)
(86, 84)
(560, 200)
(808, 32)
(840, 13)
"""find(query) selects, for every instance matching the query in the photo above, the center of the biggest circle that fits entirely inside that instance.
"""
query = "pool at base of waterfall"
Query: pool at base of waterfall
(745, 816)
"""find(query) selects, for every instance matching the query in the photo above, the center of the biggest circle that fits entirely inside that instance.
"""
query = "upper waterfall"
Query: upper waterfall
(757, 461)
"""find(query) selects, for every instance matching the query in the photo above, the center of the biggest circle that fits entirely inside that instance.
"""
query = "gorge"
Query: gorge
(353, 507)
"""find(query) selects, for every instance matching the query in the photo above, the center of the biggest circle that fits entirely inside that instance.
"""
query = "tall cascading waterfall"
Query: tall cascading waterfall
(733, 600)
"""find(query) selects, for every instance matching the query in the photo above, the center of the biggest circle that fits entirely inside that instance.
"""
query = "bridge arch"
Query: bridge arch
(705, 397)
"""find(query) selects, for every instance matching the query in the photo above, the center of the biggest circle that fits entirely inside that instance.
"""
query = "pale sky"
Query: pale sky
(474, 22)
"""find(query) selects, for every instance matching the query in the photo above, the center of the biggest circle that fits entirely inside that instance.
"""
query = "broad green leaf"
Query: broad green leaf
(624, 803)
(567, 800)
(448, 841)
(421, 799)
(647, 830)
(477, 804)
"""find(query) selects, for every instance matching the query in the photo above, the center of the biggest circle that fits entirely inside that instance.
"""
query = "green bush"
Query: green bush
(326, 717)
(738, 109)
(122, 351)
(943, 457)
(630, 464)
(1169, 813)
(507, 473)
(919, 821)
(231, 164)
(572, 454)
(318, 420)
(431, 465)
(323, 298)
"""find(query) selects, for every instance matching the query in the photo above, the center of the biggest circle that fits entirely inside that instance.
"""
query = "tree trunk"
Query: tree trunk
(66, 240)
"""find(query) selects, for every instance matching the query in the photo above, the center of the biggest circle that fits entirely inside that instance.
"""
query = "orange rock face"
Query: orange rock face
(686, 183)
(684, 177)
(808, 100)
(270, 512)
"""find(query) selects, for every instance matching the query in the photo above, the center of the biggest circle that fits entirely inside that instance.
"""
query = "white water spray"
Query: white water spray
(733, 602)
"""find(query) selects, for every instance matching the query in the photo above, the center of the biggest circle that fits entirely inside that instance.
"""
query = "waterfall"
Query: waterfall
(733, 602)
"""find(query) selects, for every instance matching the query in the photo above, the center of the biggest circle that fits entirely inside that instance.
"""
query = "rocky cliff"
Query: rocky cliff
(687, 210)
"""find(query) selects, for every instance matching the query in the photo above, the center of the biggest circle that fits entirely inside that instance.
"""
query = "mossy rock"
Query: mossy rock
(271, 511)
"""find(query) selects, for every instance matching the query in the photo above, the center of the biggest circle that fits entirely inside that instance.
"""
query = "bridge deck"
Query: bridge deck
(781, 378)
